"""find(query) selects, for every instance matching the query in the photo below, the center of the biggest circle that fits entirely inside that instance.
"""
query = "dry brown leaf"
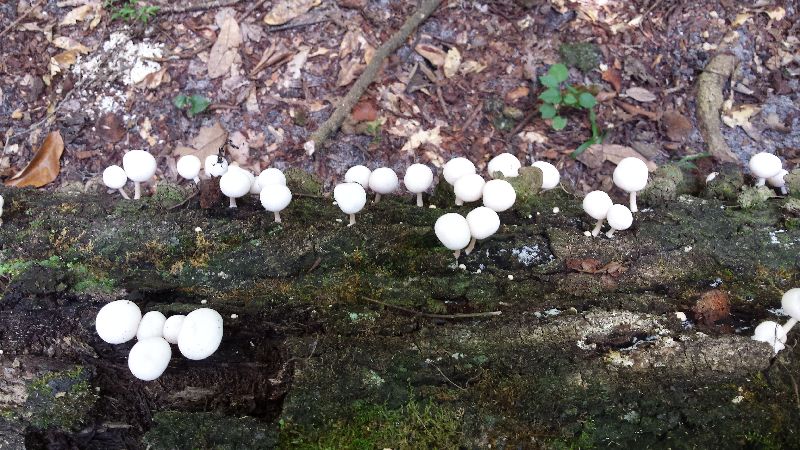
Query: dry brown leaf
(241, 155)
(225, 49)
(78, 14)
(640, 94)
(349, 71)
(295, 66)
(613, 77)
(206, 143)
(45, 165)
(452, 62)
(287, 10)
(471, 66)
(364, 111)
(62, 61)
(434, 54)
(67, 43)
(517, 93)
(597, 154)
(154, 80)
(776, 13)
(676, 126)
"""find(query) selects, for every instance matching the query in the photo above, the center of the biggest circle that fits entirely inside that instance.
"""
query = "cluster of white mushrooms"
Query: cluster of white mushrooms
(774, 333)
(631, 176)
(137, 165)
(197, 334)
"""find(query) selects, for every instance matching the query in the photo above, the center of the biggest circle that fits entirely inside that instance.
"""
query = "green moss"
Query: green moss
(582, 55)
(168, 195)
(13, 268)
(664, 185)
(754, 197)
(186, 430)
(301, 182)
(793, 183)
(59, 399)
(726, 185)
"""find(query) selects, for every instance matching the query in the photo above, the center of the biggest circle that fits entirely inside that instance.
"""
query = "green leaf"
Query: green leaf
(549, 81)
(559, 123)
(180, 101)
(551, 96)
(547, 110)
(198, 104)
(587, 100)
(570, 100)
(559, 72)
(582, 148)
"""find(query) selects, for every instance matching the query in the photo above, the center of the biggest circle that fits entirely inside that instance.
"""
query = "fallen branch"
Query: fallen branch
(177, 9)
(709, 103)
(365, 79)
(435, 316)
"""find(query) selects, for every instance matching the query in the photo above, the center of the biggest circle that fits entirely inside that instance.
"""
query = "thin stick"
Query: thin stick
(435, 316)
(177, 9)
(21, 18)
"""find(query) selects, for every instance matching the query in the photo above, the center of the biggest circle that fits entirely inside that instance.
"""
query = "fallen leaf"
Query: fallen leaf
(776, 13)
(517, 93)
(739, 116)
(740, 19)
(62, 61)
(225, 49)
(633, 109)
(110, 128)
(78, 14)
(676, 126)
(45, 165)
(294, 66)
(251, 105)
(287, 10)
(67, 43)
(640, 94)
(350, 69)
(597, 154)
(532, 137)
(471, 66)
(613, 77)
(207, 142)
(155, 79)
(364, 111)
(452, 62)
(433, 54)
(421, 137)
(241, 155)
(17, 114)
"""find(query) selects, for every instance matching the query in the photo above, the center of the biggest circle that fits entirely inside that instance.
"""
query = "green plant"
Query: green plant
(130, 10)
(686, 161)
(195, 103)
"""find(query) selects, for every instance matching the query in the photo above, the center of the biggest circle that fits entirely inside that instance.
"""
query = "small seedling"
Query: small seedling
(686, 161)
(193, 104)
(130, 10)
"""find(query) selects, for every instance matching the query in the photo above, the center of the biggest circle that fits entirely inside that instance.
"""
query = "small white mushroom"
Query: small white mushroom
(631, 176)
(118, 321)
(275, 198)
(358, 174)
(235, 184)
(139, 166)
(418, 179)
(351, 198)
(271, 176)
(151, 325)
(215, 166)
(114, 178)
(499, 195)
(778, 181)
(772, 333)
(149, 358)
(383, 181)
(505, 163)
(201, 334)
(172, 328)
(790, 302)
(619, 218)
(189, 168)
(483, 222)
(597, 204)
(457, 168)
(765, 165)
(453, 231)
(2, 202)
(469, 188)
(550, 175)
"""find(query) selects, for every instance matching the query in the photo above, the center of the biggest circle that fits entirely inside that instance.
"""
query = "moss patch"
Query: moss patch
(186, 430)
(59, 399)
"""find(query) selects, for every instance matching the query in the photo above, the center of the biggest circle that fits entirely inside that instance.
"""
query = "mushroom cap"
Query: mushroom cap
(114, 177)
(235, 183)
(483, 222)
(271, 176)
(550, 175)
(499, 195)
(457, 168)
(358, 174)
(189, 166)
(149, 358)
(151, 325)
(453, 231)
(469, 188)
(172, 328)
(772, 333)
(765, 165)
(790, 302)
(351, 197)
(214, 167)
(505, 163)
(383, 180)
(619, 217)
(139, 165)
(778, 180)
(275, 197)
(201, 334)
(418, 178)
(631, 174)
(597, 204)
(118, 321)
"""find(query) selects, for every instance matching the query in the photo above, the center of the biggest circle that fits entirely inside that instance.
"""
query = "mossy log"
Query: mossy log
(587, 350)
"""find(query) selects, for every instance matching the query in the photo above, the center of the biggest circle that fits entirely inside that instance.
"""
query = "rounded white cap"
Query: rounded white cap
(418, 178)
(358, 174)
(457, 168)
(149, 358)
(200, 334)
(139, 165)
(483, 222)
(351, 197)
(550, 175)
(151, 325)
(790, 302)
(505, 163)
(499, 195)
(597, 204)
(215, 167)
(275, 197)
(453, 231)
(619, 217)
(469, 188)
(118, 321)
(189, 166)
(772, 333)
(114, 177)
(383, 180)
(271, 176)
(631, 174)
(172, 328)
(235, 183)
(777, 180)
(765, 165)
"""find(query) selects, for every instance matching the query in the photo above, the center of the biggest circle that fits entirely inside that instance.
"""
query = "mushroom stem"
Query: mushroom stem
(419, 199)
(377, 197)
(196, 180)
(784, 191)
(633, 202)
(459, 202)
(352, 220)
(277, 216)
(123, 194)
(137, 190)
(457, 253)
(232, 202)
(789, 325)
(610, 233)
(597, 227)
(761, 181)
(471, 246)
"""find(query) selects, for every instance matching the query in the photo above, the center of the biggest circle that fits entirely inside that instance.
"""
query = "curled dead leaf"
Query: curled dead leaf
(597, 154)
(45, 165)
(432, 53)
(613, 77)
(452, 62)
(286, 10)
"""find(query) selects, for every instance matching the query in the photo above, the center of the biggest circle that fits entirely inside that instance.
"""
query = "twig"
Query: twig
(22, 17)
(295, 25)
(177, 9)
(250, 10)
(435, 316)
(524, 122)
(370, 72)
(478, 110)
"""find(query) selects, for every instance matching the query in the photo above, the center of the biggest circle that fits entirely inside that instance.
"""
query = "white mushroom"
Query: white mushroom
(275, 198)
(2, 202)
(201, 334)
(172, 328)
(483, 222)
(619, 219)
(418, 179)
(765, 165)
(235, 184)
(505, 163)
(772, 333)
(631, 176)
(151, 325)
(383, 181)
(469, 188)
(597, 204)
(189, 168)
(790, 302)
(149, 358)
(453, 231)
(550, 175)
(215, 166)
(778, 181)
(351, 198)
(114, 178)
(117, 322)
(139, 166)
(499, 195)
(358, 174)
(457, 168)
(271, 176)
